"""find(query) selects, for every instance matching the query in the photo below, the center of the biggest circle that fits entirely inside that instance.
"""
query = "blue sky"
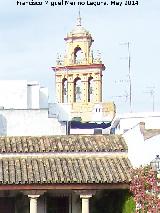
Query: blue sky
(31, 37)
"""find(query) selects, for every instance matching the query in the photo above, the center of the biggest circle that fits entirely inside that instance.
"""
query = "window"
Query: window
(78, 55)
(90, 89)
(97, 131)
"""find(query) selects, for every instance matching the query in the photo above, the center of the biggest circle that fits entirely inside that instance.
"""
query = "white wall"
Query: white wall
(129, 120)
(29, 123)
(33, 90)
(82, 131)
(88, 131)
(13, 94)
(61, 111)
(152, 147)
(135, 142)
(20, 94)
(140, 151)
(43, 98)
(97, 114)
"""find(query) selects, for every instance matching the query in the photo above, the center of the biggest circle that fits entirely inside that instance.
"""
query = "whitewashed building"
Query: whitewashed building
(21, 94)
(24, 110)
(142, 134)
(124, 122)
(143, 144)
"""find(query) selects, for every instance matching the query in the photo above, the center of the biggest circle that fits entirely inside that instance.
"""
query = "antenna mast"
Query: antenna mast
(152, 94)
(129, 75)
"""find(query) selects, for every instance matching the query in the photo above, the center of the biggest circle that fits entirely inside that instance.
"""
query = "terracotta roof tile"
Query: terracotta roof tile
(64, 159)
(63, 170)
(149, 133)
(72, 143)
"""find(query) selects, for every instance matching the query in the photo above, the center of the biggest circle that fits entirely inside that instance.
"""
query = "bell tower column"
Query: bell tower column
(84, 88)
(59, 88)
(98, 87)
(70, 89)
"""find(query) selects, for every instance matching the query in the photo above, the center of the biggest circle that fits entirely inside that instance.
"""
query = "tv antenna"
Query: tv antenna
(125, 95)
(129, 74)
(151, 91)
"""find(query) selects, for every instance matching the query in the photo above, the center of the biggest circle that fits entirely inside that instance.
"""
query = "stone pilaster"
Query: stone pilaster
(70, 89)
(33, 196)
(33, 203)
(85, 202)
(85, 195)
(98, 88)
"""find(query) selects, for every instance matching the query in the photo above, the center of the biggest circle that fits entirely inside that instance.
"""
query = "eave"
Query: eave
(81, 67)
(65, 186)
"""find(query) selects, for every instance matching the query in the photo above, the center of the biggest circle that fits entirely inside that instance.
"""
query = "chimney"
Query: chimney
(142, 127)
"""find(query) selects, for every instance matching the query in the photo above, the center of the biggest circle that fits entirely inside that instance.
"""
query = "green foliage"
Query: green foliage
(128, 204)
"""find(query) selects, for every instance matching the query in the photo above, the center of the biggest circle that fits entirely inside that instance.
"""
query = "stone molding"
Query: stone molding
(34, 193)
(33, 196)
(85, 193)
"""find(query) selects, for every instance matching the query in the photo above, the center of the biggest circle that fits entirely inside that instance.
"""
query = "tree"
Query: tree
(144, 186)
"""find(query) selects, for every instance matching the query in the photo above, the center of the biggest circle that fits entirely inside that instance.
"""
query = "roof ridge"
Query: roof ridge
(64, 154)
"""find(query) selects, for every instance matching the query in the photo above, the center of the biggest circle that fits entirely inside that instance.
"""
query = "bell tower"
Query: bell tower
(78, 44)
(78, 76)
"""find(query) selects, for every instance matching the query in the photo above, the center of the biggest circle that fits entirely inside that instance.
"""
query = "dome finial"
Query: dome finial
(79, 18)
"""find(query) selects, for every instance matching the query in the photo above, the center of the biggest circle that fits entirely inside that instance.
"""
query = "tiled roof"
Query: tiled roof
(149, 133)
(71, 143)
(64, 159)
(48, 170)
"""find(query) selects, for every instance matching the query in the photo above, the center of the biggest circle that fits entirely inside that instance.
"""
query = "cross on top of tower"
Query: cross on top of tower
(79, 19)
